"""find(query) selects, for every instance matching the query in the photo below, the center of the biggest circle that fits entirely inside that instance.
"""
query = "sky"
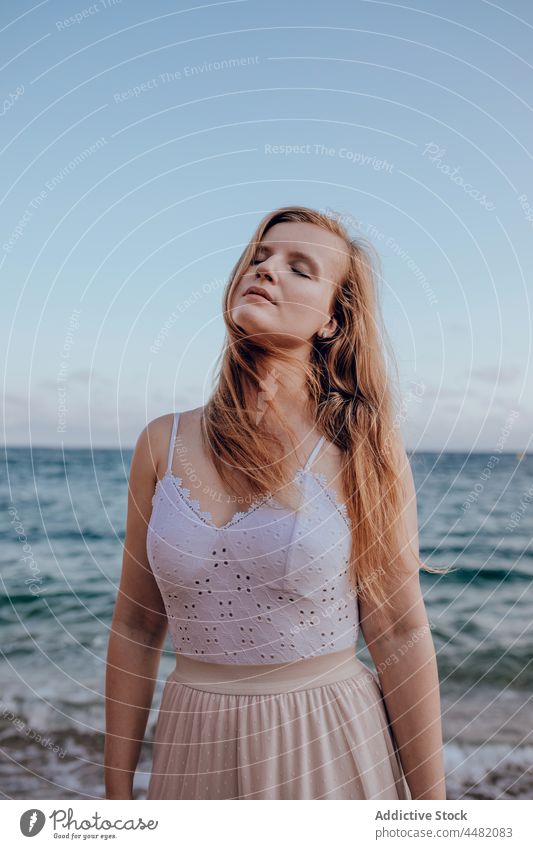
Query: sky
(141, 144)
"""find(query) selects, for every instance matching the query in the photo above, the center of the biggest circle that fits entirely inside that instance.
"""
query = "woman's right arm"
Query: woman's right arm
(138, 628)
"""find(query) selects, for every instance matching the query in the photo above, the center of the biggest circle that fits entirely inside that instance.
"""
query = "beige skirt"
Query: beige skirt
(313, 729)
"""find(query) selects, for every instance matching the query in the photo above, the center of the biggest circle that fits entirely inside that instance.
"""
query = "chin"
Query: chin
(250, 320)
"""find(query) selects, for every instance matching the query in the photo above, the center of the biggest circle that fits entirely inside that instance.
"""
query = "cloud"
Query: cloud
(495, 374)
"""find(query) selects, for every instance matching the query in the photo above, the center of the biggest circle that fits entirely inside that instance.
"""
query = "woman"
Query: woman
(302, 529)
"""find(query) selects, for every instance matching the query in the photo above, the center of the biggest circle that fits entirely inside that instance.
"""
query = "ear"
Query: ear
(328, 329)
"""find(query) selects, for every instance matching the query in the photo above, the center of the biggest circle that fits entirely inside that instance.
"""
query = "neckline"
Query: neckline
(206, 517)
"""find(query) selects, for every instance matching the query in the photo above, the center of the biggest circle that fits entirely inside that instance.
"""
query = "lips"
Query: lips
(258, 290)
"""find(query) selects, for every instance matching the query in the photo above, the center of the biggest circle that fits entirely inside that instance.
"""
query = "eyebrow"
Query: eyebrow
(315, 268)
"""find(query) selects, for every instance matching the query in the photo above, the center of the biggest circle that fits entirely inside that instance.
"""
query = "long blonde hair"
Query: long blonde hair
(351, 398)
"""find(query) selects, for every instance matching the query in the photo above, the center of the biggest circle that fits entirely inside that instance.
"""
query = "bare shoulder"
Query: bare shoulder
(150, 447)
(154, 440)
(402, 465)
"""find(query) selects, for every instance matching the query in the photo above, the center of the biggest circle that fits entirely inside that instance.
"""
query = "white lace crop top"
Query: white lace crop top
(269, 586)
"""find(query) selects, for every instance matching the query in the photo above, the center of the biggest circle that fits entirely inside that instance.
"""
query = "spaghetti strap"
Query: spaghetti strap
(172, 440)
(313, 454)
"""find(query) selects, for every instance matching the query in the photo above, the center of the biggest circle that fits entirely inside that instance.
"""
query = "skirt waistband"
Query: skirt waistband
(257, 679)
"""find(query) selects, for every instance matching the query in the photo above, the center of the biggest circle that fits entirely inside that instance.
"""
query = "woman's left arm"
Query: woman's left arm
(401, 647)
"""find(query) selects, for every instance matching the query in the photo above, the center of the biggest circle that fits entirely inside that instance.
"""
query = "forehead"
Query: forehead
(327, 249)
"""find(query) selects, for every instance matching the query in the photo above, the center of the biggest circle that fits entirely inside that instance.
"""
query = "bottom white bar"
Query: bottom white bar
(310, 824)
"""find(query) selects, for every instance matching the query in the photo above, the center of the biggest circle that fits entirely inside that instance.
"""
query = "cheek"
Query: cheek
(310, 305)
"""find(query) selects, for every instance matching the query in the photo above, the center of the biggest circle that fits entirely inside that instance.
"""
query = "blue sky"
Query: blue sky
(142, 143)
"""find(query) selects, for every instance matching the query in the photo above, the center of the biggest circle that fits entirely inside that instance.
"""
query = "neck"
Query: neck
(284, 384)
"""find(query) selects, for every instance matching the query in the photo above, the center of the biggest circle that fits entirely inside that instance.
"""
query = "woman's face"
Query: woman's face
(298, 265)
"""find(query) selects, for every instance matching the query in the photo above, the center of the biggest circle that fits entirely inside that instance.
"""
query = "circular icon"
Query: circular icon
(31, 822)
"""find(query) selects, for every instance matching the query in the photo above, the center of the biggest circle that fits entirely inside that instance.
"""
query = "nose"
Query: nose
(265, 268)
(265, 272)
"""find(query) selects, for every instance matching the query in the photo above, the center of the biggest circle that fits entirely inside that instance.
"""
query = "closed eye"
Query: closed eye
(256, 261)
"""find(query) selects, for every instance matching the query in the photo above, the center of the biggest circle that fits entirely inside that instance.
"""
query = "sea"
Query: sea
(62, 532)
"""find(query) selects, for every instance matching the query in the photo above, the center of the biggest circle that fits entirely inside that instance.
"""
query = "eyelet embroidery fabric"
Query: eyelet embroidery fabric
(205, 515)
(269, 586)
